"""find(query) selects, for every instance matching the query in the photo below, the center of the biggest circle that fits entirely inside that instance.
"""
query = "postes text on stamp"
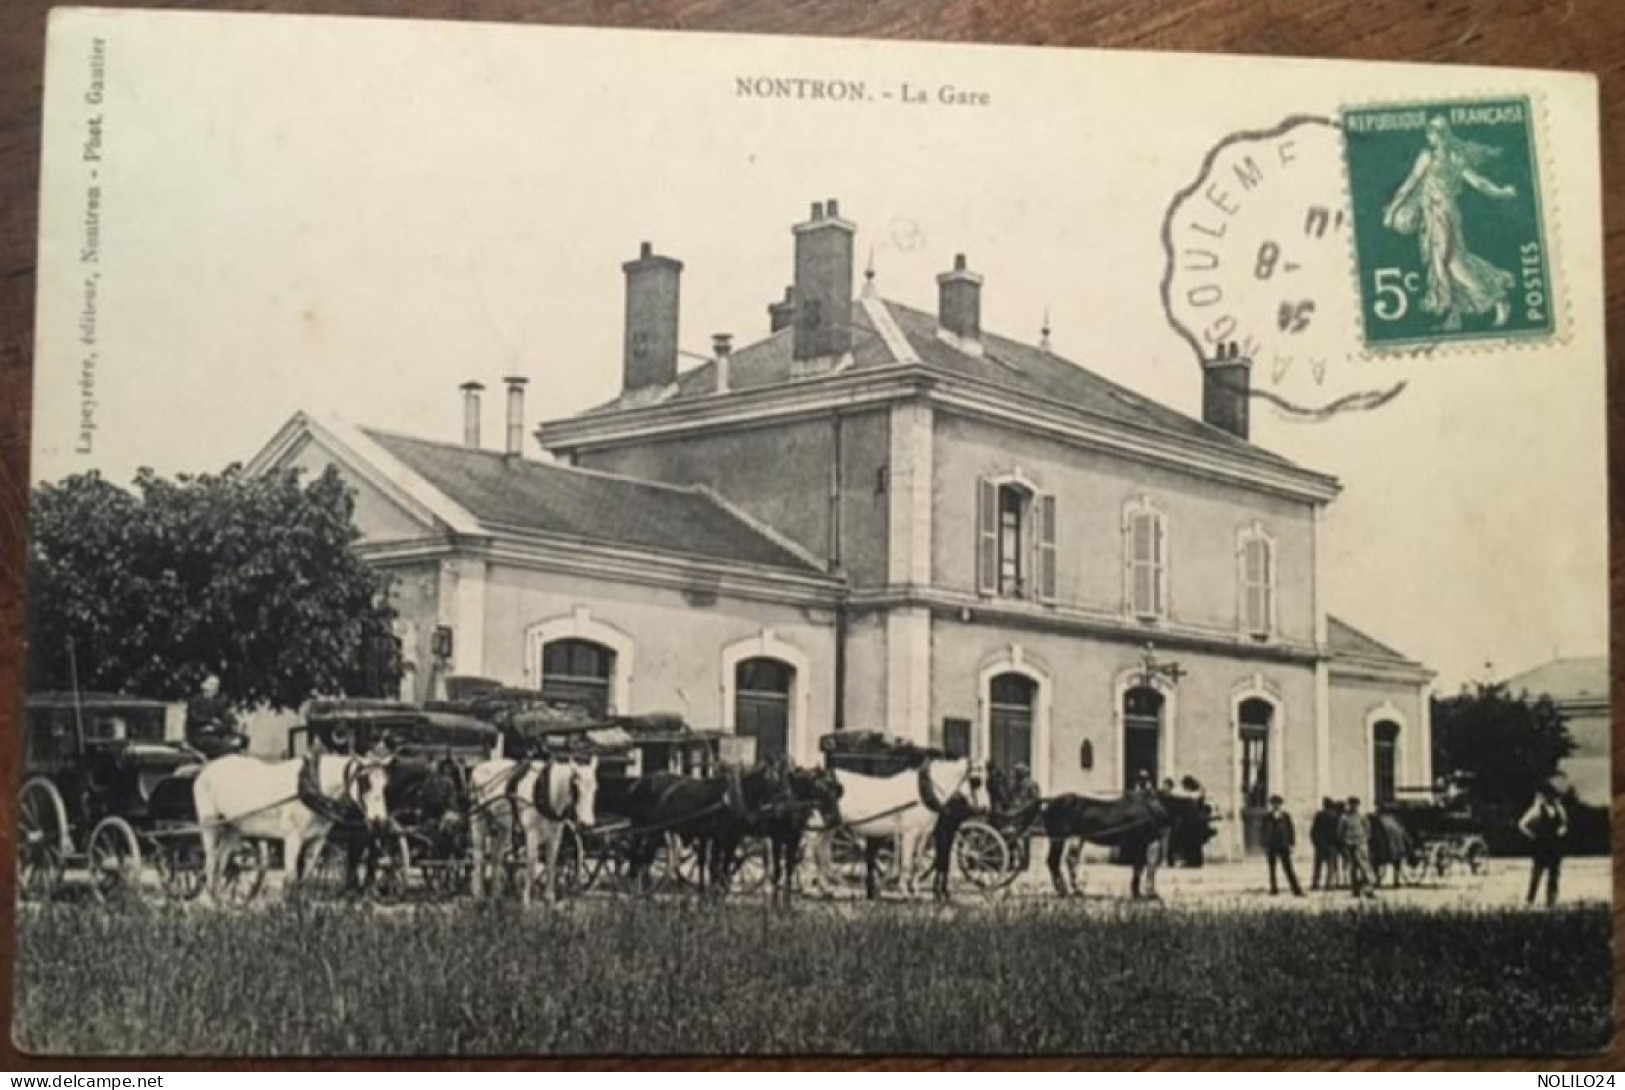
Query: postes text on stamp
(1447, 223)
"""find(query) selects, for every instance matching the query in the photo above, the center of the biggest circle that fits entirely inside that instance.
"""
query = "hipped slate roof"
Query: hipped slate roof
(602, 507)
(1012, 365)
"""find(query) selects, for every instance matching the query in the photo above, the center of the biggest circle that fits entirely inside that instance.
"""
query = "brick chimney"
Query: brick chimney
(823, 286)
(471, 414)
(781, 314)
(516, 415)
(1226, 385)
(722, 350)
(652, 296)
(959, 304)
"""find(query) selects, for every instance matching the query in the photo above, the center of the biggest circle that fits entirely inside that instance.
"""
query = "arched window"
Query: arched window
(1385, 760)
(1012, 699)
(762, 704)
(1142, 735)
(578, 672)
(1254, 727)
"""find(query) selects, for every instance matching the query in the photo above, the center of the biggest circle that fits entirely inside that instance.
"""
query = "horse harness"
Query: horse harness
(308, 790)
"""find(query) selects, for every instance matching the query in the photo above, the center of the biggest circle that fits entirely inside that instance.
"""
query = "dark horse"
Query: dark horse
(428, 797)
(1137, 825)
(714, 814)
(784, 824)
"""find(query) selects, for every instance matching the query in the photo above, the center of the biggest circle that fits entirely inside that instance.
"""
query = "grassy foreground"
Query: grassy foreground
(625, 977)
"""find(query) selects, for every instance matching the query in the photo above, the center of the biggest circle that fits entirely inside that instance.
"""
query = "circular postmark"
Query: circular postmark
(1257, 250)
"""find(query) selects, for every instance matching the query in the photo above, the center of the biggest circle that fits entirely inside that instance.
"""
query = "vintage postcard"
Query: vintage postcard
(558, 541)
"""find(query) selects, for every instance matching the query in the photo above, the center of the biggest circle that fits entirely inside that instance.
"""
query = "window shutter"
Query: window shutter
(1044, 515)
(1159, 553)
(987, 538)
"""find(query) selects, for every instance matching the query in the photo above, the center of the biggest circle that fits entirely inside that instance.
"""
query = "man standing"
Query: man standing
(211, 728)
(1279, 839)
(1323, 839)
(1545, 823)
(1355, 836)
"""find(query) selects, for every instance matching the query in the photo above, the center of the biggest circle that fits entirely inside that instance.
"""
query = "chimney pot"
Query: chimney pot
(516, 414)
(471, 414)
(831, 209)
(646, 249)
(722, 348)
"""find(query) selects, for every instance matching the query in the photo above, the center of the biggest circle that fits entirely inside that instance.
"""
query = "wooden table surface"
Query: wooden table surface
(1578, 35)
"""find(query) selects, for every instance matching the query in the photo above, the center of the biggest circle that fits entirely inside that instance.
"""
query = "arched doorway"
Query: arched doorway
(1384, 761)
(1254, 719)
(762, 688)
(578, 672)
(1142, 735)
(1012, 699)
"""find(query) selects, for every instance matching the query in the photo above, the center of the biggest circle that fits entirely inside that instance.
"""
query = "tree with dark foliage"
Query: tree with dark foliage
(1504, 742)
(252, 578)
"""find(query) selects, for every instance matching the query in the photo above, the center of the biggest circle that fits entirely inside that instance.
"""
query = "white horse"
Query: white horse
(901, 809)
(543, 797)
(239, 796)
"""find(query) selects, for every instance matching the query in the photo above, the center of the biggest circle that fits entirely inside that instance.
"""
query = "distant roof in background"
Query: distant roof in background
(1006, 363)
(1578, 677)
(555, 499)
(1346, 641)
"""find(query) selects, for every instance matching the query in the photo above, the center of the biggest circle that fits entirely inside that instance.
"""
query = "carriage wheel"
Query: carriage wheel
(243, 872)
(179, 860)
(43, 843)
(113, 858)
(752, 868)
(1441, 857)
(1476, 854)
(328, 875)
(843, 861)
(983, 856)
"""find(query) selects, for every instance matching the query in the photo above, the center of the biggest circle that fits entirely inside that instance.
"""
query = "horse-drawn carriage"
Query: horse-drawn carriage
(1443, 834)
(104, 792)
(892, 812)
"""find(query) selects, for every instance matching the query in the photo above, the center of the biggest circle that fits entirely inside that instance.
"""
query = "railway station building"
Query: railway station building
(880, 516)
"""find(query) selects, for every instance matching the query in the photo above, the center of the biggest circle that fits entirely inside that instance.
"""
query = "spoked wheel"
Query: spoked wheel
(1441, 858)
(113, 858)
(1476, 855)
(43, 844)
(752, 867)
(983, 857)
(330, 874)
(388, 866)
(179, 862)
(843, 861)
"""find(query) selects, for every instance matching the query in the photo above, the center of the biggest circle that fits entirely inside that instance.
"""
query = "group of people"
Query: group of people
(1341, 838)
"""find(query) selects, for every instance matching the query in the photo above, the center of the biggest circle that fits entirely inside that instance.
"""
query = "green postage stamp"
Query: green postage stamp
(1447, 222)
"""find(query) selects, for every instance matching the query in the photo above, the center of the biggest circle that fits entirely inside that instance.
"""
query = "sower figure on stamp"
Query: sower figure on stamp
(1279, 839)
(1459, 282)
(1323, 839)
(1546, 824)
(211, 727)
(1355, 836)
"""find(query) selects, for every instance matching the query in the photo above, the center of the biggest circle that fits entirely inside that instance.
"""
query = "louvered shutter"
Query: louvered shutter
(1044, 517)
(987, 537)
